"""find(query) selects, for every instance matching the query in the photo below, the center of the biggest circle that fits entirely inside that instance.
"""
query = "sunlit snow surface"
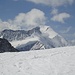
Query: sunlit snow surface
(21, 42)
(58, 61)
(48, 31)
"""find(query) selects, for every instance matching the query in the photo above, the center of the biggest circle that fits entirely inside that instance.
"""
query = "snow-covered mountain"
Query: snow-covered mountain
(57, 61)
(43, 37)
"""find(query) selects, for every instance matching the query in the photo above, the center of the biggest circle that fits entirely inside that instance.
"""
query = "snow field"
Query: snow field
(57, 61)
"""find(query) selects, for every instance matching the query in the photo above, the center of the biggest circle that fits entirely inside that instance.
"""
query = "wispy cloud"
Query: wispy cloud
(53, 3)
(66, 30)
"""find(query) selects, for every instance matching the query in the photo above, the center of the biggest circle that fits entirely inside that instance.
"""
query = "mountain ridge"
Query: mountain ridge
(45, 35)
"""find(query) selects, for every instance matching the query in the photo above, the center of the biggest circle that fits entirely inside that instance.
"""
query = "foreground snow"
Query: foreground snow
(58, 61)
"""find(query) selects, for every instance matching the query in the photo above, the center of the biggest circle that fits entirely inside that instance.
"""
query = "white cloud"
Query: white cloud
(3, 25)
(27, 20)
(53, 3)
(54, 11)
(31, 19)
(60, 17)
(6, 25)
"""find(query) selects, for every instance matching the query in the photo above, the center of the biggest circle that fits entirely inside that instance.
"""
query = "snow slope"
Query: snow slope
(22, 42)
(57, 61)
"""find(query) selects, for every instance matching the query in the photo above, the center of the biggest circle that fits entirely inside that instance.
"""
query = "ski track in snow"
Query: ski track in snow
(58, 61)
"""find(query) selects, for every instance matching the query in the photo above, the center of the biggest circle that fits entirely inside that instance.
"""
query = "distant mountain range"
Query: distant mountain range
(43, 37)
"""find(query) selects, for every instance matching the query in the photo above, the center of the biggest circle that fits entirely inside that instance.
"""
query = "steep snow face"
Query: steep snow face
(57, 61)
(57, 40)
(47, 30)
(38, 46)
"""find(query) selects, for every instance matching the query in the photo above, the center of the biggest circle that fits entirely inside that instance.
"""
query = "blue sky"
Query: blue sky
(59, 14)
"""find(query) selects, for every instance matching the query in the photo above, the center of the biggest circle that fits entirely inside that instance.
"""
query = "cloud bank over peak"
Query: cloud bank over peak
(33, 17)
(53, 3)
(28, 20)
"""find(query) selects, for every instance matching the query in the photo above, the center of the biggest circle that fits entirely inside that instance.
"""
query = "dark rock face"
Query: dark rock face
(5, 46)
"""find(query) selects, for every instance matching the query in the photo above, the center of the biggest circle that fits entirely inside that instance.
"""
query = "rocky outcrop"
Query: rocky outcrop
(5, 46)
